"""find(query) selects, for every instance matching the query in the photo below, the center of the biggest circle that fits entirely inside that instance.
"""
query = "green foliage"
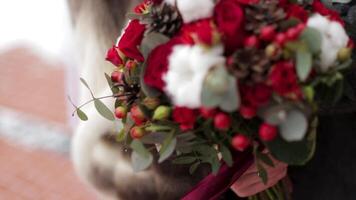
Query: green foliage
(304, 64)
(226, 155)
(141, 158)
(82, 116)
(103, 110)
(168, 147)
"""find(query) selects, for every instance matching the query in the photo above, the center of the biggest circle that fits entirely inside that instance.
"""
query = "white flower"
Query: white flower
(333, 38)
(188, 66)
(192, 10)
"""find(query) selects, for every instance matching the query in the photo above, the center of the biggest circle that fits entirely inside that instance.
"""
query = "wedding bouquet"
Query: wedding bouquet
(224, 81)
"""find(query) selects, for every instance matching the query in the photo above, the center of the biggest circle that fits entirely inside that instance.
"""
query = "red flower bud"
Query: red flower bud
(280, 39)
(137, 115)
(116, 76)
(267, 132)
(137, 132)
(120, 112)
(240, 142)
(252, 41)
(292, 33)
(222, 121)
(208, 113)
(248, 112)
(267, 33)
(130, 64)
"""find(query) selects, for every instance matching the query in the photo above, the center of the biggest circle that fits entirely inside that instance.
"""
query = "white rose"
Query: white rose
(333, 38)
(188, 66)
(192, 10)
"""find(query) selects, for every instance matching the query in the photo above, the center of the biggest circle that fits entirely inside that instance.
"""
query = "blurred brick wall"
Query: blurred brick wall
(33, 87)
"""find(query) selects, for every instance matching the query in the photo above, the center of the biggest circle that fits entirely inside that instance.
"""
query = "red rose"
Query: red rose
(185, 117)
(157, 64)
(229, 18)
(298, 12)
(202, 30)
(131, 39)
(256, 95)
(283, 79)
(114, 57)
(323, 10)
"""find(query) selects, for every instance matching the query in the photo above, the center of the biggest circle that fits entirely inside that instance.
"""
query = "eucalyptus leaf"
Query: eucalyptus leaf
(295, 127)
(139, 148)
(84, 83)
(226, 155)
(209, 98)
(304, 64)
(168, 147)
(194, 167)
(140, 163)
(312, 37)
(103, 110)
(264, 158)
(154, 138)
(184, 160)
(231, 100)
(82, 116)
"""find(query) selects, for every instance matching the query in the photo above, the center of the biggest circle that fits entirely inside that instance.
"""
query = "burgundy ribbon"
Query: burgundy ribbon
(213, 186)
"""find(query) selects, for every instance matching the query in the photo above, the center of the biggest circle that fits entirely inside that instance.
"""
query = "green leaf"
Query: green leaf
(194, 167)
(82, 116)
(121, 136)
(294, 127)
(167, 148)
(226, 155)
(231, 100)
(264, 158)
(312, 37)
(215, 164)
(103, 110)
(304, 64)
(111, 84)
(184, 160)
(84, 83)
(262, 173)
(209, 98)
(139, 162)
(139, 148)
(154, 138)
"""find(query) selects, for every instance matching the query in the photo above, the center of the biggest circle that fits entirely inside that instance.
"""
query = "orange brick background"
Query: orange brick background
(33, 87)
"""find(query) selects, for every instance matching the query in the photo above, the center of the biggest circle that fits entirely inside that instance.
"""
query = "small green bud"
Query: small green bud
(151, 103)
(344, 54)
(162, 112)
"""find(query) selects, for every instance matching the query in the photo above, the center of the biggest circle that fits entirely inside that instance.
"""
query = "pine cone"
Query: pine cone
(250, 65)
(262, 14)
(165, 19)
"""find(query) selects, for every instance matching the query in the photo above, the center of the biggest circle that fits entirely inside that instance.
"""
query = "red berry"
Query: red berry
(268, 33)
(292, 33)
(240, 142)
(222, 121)
(280, 39)
(267, 132)
(248, 112)
(137, 115)
(300, 27)
(116, 76)
(120, 112)
(137, 132)
(251, 41)
(208, 113)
